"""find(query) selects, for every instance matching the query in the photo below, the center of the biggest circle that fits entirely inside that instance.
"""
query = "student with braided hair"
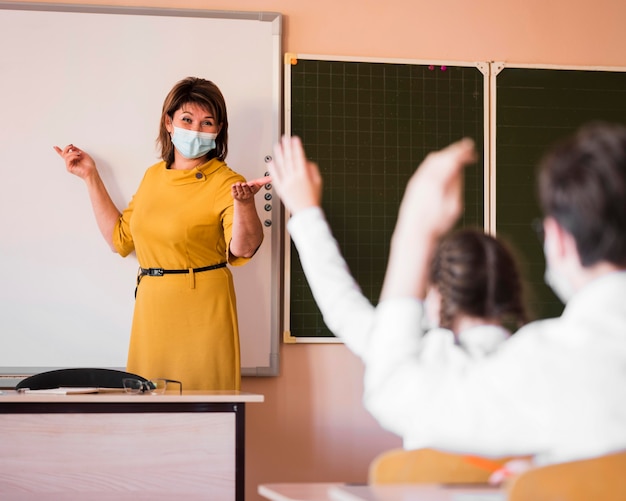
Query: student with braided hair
(475, 291)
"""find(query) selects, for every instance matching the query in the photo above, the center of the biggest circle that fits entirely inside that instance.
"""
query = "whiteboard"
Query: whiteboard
(97, 77)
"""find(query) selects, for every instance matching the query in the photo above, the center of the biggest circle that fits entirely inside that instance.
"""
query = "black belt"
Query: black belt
(159, 272)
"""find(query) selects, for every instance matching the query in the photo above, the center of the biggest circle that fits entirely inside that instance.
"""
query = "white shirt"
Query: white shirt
(555, 390)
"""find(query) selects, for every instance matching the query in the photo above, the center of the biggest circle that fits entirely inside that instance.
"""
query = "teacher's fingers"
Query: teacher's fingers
(69, 149)
(58, 150)
(260, 181)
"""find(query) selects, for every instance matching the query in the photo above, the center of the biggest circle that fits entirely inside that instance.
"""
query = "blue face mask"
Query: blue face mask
(192, 144)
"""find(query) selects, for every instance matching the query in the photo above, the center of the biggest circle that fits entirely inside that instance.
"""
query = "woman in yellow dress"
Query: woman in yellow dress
(190, 217)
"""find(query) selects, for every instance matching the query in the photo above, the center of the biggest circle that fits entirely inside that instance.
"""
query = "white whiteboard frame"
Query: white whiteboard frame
(269, 276)
(483, 67)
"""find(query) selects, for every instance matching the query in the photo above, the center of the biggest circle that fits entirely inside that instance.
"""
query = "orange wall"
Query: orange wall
(579, 32)
(312, 426)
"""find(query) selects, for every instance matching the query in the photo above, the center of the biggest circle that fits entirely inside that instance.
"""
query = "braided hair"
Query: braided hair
(477, 275)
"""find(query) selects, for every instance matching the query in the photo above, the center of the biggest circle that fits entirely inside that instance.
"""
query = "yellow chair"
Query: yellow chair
(399, 466)
(597, 479)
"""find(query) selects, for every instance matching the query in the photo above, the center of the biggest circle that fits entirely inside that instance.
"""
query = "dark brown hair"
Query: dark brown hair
(205, 94)
(478, 276)
(582, 185)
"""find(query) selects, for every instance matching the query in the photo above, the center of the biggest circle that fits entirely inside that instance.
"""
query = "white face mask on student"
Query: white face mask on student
(559, 284)
(192, 144)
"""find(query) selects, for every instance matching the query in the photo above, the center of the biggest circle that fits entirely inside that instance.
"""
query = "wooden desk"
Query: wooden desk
(122, 447)
(344, 492)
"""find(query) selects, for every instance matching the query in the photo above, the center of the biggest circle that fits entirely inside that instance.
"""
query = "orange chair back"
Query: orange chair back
(597, 479)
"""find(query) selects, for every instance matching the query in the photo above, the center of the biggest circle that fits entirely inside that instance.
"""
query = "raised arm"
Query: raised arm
(298, 181)
(402, 380)
(432, 203)
(347, 312)
(79, 163)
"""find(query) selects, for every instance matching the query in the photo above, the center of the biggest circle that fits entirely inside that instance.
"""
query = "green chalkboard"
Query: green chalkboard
(534, 108)
(368, 125)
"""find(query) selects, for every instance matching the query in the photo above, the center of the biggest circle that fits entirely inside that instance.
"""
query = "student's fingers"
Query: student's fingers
(463, 147)
(293, 157)
(276, 164)
(459, 154)
(296, 180)
(283, 162)
(272, 168)
(298, 157)
(313, 173)
(442, 167)
(287, 154)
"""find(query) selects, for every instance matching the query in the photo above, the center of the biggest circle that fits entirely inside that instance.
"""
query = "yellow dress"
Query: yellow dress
(184, 325)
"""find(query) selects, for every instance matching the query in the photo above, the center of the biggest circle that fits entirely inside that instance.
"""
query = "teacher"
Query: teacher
(190, 217)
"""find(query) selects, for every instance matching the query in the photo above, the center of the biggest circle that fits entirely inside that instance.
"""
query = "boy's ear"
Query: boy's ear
(558, 243)
(551, 238)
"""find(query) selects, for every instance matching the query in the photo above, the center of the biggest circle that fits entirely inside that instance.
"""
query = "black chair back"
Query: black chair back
(77, 378)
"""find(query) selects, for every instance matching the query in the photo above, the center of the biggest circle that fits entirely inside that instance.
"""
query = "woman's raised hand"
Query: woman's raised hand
(77, 161)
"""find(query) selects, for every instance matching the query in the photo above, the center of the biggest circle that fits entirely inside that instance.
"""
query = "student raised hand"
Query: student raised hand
(432, 203)
(297, 181)
(434, 195)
